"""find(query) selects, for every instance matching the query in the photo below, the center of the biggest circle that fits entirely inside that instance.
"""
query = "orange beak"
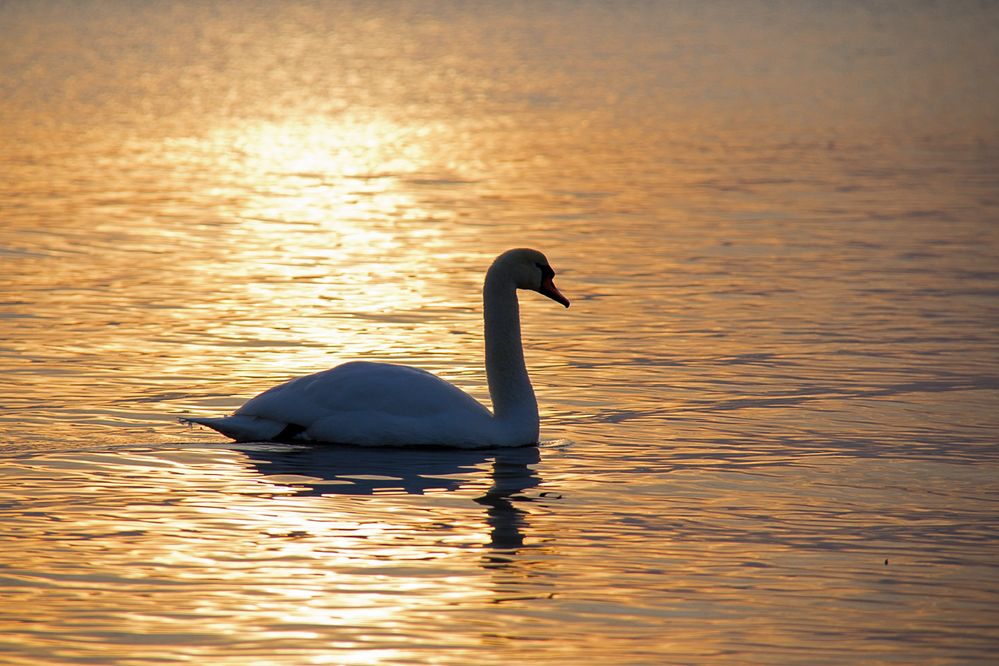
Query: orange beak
(549, 289)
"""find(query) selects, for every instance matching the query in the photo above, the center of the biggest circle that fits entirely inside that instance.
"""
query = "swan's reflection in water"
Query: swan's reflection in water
(511, 475)
(346, 470)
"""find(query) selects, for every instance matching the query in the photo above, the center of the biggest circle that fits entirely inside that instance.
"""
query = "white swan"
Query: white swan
(378, 404)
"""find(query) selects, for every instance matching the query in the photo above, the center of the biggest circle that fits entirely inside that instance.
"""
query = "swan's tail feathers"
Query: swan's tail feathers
(241, 427)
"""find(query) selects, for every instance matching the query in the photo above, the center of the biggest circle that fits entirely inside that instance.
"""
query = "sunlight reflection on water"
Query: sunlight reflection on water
(779, 372)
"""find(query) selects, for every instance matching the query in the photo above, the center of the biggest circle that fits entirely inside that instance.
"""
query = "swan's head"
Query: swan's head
(529, 269)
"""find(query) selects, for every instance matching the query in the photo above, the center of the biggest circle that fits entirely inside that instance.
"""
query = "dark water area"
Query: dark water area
(769, 417)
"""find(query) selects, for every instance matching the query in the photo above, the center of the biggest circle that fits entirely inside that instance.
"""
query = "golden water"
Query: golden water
(769, 414)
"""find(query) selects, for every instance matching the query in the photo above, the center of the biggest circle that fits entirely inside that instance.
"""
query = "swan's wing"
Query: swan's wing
(363, 388)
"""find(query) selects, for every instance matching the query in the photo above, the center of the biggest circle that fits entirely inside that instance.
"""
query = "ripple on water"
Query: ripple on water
(307, 548)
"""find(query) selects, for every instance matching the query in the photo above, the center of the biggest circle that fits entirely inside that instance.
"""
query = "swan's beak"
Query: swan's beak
(549, 289)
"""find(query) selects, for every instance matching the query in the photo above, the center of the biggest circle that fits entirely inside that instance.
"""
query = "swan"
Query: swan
(381, 404)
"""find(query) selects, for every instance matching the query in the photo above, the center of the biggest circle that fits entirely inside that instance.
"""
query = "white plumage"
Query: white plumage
(380, 404)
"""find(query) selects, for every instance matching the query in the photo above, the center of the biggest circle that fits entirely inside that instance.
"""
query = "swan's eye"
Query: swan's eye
(546, 271)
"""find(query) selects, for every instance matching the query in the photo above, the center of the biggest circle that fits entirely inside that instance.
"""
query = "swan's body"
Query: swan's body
(364, 403)
(379, 404)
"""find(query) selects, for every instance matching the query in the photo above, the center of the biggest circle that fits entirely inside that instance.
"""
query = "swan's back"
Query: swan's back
(361, 386)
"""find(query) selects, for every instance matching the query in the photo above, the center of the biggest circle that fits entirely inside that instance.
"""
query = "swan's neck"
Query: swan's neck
(509, 386)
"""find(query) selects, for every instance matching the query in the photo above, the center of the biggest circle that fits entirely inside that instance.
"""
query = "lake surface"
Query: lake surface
(769, 418)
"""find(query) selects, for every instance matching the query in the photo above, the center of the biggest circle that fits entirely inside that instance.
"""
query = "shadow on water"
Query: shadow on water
(345, 470)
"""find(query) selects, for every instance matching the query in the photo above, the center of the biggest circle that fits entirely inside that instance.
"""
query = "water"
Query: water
(769, 416)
